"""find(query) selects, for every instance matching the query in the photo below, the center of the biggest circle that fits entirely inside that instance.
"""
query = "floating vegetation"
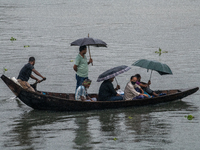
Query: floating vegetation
(189, 117)
(26, 46)
(159, 52)
(130, 117)
(13, 39)
(4, 70)
(115, 139)
(71, 60)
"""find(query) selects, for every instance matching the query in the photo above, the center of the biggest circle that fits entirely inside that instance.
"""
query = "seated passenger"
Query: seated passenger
(130, 92)
(107, 91)
(145, 86)
(81, 91)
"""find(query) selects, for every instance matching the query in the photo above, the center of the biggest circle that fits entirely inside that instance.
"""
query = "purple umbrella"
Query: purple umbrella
(113, 72)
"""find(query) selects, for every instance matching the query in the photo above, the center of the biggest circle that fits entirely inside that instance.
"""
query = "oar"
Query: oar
(89, 50)
(35, 84)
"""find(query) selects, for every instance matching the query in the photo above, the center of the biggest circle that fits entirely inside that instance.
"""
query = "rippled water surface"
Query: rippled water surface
(133, 30)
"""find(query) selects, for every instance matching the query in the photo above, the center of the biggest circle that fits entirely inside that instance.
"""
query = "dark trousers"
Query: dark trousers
(116, 98)
(79, 80)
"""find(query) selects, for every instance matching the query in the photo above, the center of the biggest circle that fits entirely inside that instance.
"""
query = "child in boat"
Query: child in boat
(81, 92)
(130, 92)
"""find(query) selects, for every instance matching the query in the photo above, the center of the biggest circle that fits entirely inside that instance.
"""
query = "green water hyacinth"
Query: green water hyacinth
(26, 46)
(189, 117)
(13, 39)
(130, 117)
(4, 70)
(115, 139)
(159, 52)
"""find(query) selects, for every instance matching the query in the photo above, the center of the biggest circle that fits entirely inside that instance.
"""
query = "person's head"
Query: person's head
(138, 77)
(111, 79)
(86, 83)
(133, 79)
(32, 61)
(83, 49)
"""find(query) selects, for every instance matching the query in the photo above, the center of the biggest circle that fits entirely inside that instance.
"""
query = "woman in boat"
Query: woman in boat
(145, 86)
(81, 91)
(130, 92)
(107, 91)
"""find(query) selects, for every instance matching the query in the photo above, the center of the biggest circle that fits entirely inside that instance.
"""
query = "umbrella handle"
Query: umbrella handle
(116, 80)
(151, 75)
(89, 50)
(90, 53)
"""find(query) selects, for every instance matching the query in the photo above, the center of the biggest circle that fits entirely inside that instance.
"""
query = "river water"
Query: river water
(133, 30)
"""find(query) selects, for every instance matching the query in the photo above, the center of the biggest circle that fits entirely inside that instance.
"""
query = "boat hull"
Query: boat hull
(66, 102)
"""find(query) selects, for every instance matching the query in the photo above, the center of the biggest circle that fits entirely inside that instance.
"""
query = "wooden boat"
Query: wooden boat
(42, 100)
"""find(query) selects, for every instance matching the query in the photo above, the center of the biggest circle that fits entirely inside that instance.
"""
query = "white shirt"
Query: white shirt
(130, 92)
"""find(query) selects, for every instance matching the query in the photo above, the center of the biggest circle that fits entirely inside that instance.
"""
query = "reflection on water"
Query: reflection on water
(35, 129)
(82, 135)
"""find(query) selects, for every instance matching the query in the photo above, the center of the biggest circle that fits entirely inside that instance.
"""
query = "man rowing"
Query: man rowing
(26, 72)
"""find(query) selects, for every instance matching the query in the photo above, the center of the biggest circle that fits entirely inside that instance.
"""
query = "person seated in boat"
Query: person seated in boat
(107, 91)
(81, 91)
(130, 92)
(145, 86)
(26, 72)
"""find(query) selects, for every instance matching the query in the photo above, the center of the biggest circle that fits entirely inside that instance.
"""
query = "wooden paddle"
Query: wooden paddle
(34, 85)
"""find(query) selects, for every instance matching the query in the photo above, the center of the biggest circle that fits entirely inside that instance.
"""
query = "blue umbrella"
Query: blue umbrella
(161, 68)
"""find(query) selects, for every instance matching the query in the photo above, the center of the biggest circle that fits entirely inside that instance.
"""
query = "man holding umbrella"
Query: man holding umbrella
(106, 91)
(81, 66)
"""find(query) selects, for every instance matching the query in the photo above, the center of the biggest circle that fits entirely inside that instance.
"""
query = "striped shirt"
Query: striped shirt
(80, 91)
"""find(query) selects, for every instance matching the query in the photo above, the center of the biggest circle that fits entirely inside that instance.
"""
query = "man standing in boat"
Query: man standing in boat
(81, 66)
(26, 73)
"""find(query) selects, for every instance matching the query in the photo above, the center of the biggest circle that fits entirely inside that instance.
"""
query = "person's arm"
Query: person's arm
(75, 68)
(90, 99)
(77, 62)
(110, 86)
(149, 82)
(37, 73)
(33, 77)
(144, 95)
(143, 85)
(90, 61)
(117, 87)
(142, 91)
(82, 98)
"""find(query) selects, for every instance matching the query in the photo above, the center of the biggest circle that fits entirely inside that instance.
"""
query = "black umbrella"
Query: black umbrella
(89, 42)
(113, 72)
